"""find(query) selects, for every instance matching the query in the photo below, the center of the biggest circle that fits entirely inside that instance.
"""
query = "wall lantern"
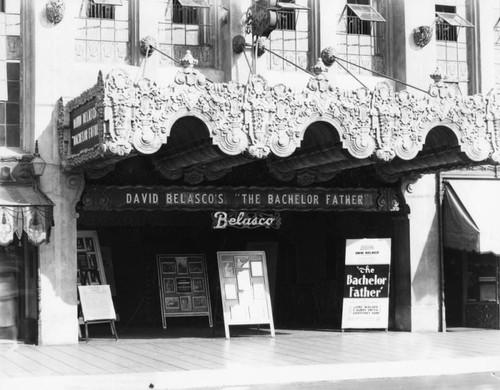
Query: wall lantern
(37, 164)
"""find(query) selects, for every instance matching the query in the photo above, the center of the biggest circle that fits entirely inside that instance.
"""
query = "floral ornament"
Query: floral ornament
(54, 9)
(422, 35)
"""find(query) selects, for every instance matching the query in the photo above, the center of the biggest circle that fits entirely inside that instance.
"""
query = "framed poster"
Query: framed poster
(366, 284)
(89, 262)
(90, 267)
(245, 289)
(183, 286)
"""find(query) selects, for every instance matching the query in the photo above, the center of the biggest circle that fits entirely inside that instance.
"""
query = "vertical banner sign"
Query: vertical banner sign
(366, 288)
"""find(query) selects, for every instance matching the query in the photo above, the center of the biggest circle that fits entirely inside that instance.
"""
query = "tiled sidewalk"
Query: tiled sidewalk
(292, 356)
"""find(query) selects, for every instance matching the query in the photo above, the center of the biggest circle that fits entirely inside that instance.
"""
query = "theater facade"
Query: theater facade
(138, 134)
(197, 167)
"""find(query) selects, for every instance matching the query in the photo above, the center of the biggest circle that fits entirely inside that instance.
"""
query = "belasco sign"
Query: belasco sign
(155, 198)
(245, 220)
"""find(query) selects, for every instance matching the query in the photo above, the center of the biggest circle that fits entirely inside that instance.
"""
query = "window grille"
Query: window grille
(361, 34)
(103, 31)
(451, 42)
(100, 11)
(187, 25)
(10, 111)
(285, 20)
(290, 39)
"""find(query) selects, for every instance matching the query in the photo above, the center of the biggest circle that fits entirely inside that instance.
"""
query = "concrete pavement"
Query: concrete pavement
(171, 361)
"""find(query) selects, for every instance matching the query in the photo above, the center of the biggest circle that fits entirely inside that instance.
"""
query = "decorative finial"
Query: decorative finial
(189, 61)
(438, 75)
(319, 67)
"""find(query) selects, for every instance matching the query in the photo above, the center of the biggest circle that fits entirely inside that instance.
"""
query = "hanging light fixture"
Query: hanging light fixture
(37, 164)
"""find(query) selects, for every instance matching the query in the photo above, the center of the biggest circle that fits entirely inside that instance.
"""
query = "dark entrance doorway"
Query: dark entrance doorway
(305, 259)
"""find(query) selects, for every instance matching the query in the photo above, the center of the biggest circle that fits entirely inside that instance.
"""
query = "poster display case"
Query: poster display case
(90, 268)
(183, 287)
(244, 288)
(90, 271)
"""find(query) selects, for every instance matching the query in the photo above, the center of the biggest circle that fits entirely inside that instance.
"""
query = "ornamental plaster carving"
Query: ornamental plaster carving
(120, 101)
(76, 183)
(260, 120)
(493, 122)
(387, 200)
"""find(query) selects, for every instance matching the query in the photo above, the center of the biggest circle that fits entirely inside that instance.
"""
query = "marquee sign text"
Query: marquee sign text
(84, 123)
(234, 198)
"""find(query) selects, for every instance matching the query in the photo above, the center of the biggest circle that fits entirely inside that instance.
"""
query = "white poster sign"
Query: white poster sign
(366, 284)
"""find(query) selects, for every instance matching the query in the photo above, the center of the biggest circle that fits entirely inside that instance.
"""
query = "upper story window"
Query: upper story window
(98, 10)
(187, 25)
(362, 36)
(10, 74)
(290, 39)
(448, 23)
(496, 28)
(103, 31)
(360, 16)
(451, 41)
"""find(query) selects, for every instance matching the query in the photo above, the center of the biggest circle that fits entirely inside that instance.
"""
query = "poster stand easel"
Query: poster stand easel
(90, 266)
(183, 287)
(245, 289)
(111, 323)
(97, 307)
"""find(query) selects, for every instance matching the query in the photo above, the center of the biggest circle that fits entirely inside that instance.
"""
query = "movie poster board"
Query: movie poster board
(366, 283)
(244, 288)
(90, 268)
(183, 286)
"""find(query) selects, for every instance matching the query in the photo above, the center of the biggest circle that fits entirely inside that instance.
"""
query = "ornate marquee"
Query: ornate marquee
(260, 120)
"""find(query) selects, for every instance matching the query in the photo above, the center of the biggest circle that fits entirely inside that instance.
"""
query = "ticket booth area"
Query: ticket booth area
(482, 304)
(471, 289)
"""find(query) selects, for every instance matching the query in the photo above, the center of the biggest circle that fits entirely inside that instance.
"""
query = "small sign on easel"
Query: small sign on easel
(245, 289)
(97, 307)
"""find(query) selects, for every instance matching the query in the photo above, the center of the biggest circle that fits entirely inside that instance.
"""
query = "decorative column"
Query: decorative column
(424, 261)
